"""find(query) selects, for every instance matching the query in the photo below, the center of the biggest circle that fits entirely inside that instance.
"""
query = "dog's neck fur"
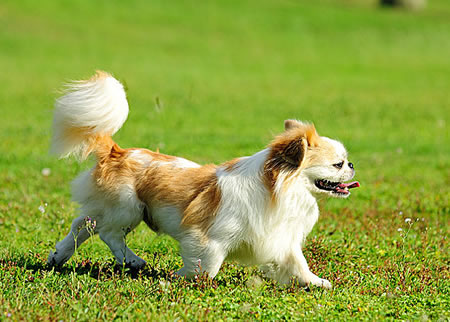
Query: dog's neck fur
(282, 220)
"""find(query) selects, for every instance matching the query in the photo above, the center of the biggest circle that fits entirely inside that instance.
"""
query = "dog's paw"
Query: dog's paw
(56, 259)
(185, 273)
(51, 261)
(136, 263)
(182, 272)
(320, 282)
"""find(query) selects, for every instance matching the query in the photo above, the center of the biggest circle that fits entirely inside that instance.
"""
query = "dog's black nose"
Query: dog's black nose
(350, 165)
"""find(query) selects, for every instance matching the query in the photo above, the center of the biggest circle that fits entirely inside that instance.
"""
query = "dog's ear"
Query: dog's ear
(290, 124)
(307, 129)
(289, 149)
(311, 135)
(294, 152)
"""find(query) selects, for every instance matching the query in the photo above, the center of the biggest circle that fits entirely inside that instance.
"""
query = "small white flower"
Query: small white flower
(400, 213)
(41, 209)
(399, 229)
(164, 285)
(407, 220)
(46, 172)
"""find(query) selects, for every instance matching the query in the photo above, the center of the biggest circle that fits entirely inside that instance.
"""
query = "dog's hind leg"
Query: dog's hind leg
(115, 239)
(78, 234)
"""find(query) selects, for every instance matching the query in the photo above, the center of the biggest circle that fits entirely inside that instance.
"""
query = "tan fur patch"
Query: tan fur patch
(308, 129)
(290, 124)
(77, 133)
(99, 74)
(114, 169)
(311, 135)
(193, 190)
(203, 207)
(230, 165)
(103, 145)
(288, 150)
(159, 156)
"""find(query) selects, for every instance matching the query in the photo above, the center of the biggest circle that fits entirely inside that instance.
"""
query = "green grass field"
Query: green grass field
(226, 74)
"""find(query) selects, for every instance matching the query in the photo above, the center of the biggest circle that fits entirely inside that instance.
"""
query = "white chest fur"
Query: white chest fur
(255, 229)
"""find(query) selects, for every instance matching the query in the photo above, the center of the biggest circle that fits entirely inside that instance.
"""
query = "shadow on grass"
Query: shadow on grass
(96, 270)
(105, 270)
(108, 270)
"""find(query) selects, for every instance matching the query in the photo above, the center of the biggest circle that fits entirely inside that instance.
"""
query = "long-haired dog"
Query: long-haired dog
(256, 209)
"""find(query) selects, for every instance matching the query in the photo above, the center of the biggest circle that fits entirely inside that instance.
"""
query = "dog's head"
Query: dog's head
(321, 163)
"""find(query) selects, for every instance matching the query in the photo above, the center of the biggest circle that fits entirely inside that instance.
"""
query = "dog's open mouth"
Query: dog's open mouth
(336, 187)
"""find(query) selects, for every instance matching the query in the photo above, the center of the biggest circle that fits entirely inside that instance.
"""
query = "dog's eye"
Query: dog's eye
(338, 165)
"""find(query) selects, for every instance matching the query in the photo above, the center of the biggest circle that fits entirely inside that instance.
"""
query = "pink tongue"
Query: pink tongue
(354, 184)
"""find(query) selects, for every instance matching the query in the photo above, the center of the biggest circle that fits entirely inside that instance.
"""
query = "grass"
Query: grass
(225, 74)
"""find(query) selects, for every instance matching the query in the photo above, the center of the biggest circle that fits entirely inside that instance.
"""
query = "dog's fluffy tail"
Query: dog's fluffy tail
(88, 115)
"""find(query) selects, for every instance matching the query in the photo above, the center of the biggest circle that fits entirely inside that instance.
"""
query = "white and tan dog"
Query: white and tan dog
(257, 209)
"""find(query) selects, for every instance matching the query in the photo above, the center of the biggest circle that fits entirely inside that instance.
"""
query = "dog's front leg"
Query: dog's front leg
(295, 266)
(200, 257)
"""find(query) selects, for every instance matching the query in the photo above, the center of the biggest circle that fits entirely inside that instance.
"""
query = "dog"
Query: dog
(256, 209)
